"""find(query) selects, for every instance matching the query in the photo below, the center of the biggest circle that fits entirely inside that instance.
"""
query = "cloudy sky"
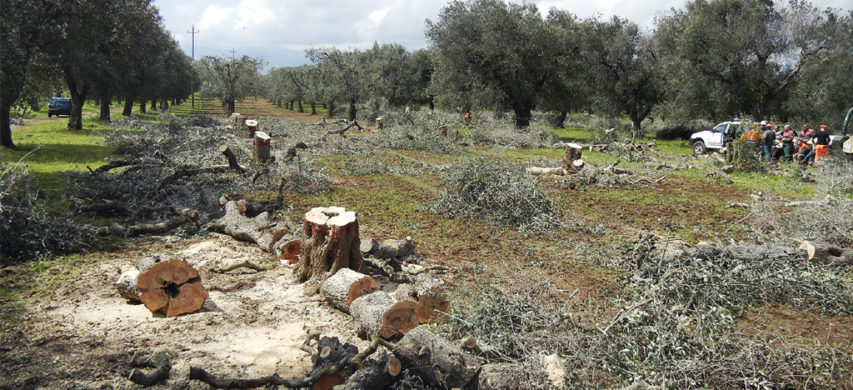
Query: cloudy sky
(280, 30)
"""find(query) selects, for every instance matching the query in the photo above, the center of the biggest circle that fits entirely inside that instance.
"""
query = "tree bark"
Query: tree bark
(313, 108)
(522, 116)
(342, 288)
(377, 314)
(105, 108)
(5, 126)
(143, 107)
(235, 223)
(331, 110)
(232, 159)
(331, 243)
(351, 112)
(299, 102)
(435, 360)
(261, 146)
(78, 98)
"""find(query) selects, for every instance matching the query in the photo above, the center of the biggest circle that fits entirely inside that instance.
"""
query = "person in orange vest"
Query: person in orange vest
(467, 117)
(805, 154)
(807, 132)
(788, 136)
(751, 134)
(821, 141)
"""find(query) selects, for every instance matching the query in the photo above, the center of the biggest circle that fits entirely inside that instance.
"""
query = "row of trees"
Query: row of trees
(711, 59)
(102, 50)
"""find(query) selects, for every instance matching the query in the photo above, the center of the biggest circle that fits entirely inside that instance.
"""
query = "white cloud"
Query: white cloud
(280, 30)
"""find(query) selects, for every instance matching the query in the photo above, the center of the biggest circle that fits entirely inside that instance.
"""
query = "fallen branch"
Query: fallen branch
(244, 264)
(291, 152)
(342, 131)
(232, 159)
(234, 383)
(189, 216)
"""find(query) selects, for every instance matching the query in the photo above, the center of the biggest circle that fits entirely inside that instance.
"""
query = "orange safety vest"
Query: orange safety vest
(751, 135)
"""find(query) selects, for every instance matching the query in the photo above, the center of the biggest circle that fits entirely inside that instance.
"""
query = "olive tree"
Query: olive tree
(230, 79)
(504, 48)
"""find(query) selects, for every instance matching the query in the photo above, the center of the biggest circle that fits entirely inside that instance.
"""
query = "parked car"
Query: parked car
(713, 139)
(59, 106)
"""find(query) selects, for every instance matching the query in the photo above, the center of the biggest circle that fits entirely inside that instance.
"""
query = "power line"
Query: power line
(193, 32)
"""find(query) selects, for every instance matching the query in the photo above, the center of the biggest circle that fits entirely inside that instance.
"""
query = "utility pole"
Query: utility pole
(193, 32)
(232, 53)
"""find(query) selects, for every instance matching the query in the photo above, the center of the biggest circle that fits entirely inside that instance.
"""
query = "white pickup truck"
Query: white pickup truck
(713, 139)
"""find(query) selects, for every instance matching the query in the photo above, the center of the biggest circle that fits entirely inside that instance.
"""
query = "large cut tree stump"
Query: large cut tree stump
(172, 288)
(378, 314)
(346, 286)
(331, 243)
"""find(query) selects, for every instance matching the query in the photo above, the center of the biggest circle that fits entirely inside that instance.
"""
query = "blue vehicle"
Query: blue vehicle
(59, 106)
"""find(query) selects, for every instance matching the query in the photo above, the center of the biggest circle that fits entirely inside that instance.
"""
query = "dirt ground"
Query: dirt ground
(86, 336)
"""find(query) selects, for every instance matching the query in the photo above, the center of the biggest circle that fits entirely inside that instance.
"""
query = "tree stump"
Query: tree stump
(821, 252)
(172, 288)
(262, 146)
(250, 126)
(573, 152)
(346, 286)
(331, 243)
(378, 314)
(392, 249)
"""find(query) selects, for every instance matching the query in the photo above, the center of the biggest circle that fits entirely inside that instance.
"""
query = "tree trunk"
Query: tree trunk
(153, 104)
(143, 107)
(164, 105)
(78, 97)
(522, 116)
(128, 106)
(5, 126)
(299, 102)
(573, 152)
(377, 314)
(636, 121)
(172, 288)
(229, 106)
(351, 112)
(261, 146)
(560, 121)
(331, 243)
(105, 109)
(313, 108)
(331, 110)
(342, 288)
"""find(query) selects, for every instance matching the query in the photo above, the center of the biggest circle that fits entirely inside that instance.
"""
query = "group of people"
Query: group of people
(806, 146)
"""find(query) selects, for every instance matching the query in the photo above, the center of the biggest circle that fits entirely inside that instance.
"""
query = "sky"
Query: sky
(279, 31)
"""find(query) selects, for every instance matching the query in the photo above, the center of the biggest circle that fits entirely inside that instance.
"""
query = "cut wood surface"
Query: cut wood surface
(435, 360)
(331, 243)
(172, 288)
(544, 171)
(432, 305)
(345, 286)
(378, 314)
(261, 146)
(127, 285)
(824, 253)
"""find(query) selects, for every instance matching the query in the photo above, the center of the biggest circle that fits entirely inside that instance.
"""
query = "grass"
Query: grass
(49, 148)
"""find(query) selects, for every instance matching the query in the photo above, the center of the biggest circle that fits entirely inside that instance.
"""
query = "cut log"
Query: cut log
(368, 246)
(577, 165)
(262, 146)
(232, 159)
(188, 216)
(126, 285)
(573, 152)
(544, 171)
(331, 243)
(392, 249)
(330, 352)
(425, 283)
(259, 230)
(172, 288)
(346, 286)
(821, 252)
(378, 314)
(432, 305)
(290, 250)
(435, 360)
(373, 373)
